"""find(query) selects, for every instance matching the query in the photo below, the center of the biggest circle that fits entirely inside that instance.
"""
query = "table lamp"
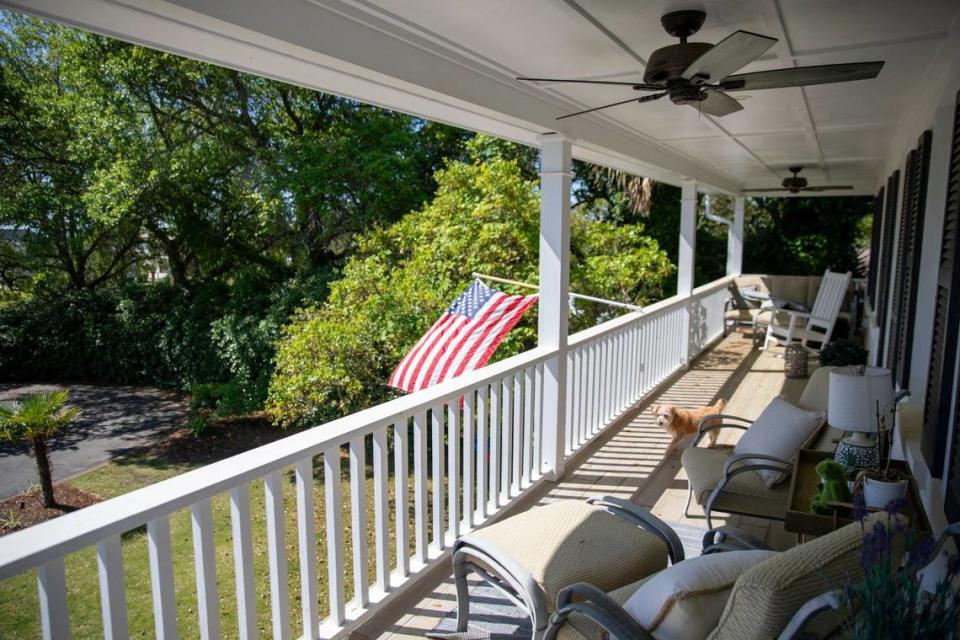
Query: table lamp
(856, 393)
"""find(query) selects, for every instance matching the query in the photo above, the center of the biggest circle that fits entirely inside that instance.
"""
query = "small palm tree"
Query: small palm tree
(35, 419)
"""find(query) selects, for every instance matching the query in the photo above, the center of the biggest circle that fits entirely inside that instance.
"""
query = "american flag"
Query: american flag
(463, 339)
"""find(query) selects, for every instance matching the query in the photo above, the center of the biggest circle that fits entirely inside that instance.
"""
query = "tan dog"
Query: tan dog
(681, 424)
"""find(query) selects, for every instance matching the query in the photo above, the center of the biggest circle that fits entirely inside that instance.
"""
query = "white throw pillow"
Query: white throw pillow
(685, 601)
(780, 431)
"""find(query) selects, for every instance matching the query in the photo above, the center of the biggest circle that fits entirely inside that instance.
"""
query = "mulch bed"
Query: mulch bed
(223, 438)
(26, 509)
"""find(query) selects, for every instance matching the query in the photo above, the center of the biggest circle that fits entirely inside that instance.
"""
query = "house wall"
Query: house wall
(933, 110)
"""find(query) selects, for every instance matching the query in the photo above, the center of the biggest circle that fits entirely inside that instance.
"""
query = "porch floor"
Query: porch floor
(628, 462)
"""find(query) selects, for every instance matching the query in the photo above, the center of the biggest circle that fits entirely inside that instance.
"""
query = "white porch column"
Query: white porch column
(555, 170)
(735, 238)
(686, 258)
(688, 237)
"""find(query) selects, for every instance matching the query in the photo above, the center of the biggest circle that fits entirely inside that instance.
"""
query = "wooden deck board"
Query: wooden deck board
(630, 463)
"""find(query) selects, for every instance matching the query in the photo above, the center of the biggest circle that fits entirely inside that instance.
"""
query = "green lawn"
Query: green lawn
(19, 609)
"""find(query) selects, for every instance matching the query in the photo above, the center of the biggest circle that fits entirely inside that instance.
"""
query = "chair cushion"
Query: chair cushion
(745, 493)
(572, 541)
(780, 430)
(685, 601)
(766, 597)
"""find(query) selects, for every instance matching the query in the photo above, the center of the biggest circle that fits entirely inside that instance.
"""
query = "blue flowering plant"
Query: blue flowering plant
(890, 600)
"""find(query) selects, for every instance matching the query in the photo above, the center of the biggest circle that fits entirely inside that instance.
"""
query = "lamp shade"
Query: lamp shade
(854, 397)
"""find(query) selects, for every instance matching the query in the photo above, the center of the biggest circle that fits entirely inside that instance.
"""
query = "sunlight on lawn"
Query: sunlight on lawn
(19, 607)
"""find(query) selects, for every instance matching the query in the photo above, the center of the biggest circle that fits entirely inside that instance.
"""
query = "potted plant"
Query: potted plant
(890, 600)
(842, 353)
(881, 484)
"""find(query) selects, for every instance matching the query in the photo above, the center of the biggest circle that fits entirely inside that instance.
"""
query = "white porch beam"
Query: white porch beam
(735, 238)
(553, 306)
(688, 237)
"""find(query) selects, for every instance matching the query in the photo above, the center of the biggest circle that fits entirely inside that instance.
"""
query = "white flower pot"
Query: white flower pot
(877, 494)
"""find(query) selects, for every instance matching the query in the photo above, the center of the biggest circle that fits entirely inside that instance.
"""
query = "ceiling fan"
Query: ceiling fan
(699, 74)
(796, 184)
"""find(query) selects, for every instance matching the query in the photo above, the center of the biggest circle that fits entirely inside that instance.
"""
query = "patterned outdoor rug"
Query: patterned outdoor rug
(691, 537)
(492, 617)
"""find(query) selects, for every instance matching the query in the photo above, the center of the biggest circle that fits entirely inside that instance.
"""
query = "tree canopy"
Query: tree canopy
(336, 358)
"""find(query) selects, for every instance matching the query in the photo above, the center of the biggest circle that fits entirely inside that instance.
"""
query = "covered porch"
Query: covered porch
(561, 421)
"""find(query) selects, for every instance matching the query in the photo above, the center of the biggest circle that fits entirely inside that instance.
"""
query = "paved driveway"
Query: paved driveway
(111, 420)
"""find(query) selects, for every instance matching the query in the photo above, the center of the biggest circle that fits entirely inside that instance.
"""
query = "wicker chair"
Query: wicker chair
(781, 597)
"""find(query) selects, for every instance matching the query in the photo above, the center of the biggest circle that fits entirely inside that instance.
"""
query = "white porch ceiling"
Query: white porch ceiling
(455, 60)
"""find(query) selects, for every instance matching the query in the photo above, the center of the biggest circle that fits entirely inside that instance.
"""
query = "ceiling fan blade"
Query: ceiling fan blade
(640, 86)
(829, 188)
(655, 96)
(717, 104)
(732, 53)
(803, 76)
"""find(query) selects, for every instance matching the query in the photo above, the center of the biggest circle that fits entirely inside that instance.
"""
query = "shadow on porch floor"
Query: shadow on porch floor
(628, 462)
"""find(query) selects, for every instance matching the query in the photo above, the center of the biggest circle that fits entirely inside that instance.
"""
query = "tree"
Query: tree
(335, 358)
(35, 419)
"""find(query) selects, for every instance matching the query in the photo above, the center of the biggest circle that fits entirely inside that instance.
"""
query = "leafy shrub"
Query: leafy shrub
(842, 353)
(335, 358)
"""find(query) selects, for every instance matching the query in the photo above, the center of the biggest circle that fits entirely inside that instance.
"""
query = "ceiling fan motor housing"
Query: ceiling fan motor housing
(670, 62)
(794, 184)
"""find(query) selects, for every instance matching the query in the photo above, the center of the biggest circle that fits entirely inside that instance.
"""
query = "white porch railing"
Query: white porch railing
(476, 445)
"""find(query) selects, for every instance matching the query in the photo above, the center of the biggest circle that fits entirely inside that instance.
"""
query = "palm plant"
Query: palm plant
(35, 419)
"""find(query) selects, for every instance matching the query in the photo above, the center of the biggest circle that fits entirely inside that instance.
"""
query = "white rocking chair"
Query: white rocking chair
(786, 325)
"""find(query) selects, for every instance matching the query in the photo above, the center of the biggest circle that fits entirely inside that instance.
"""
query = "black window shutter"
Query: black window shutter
(886, 263)
(908, 268)
(899, 262)
(941, 372)
(875, 249)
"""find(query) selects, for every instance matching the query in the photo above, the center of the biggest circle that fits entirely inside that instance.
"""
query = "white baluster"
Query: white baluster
(496, 426)
(308, 549)
(277, 555)
(420, 486)
(528, 390)
(468, 405)
(161, 578)
(453, 460)
(113, 603)
(400, 473)
(333, 502)
(381, 514)
(483, 464)
(205, 567)
(243, 561)
(52, 590)
(506, 385)
(358, 520)
(572, 441)
(436, 435)
(538, 423)
(517, 433)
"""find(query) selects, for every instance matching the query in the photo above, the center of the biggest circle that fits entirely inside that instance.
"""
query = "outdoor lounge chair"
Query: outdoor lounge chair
(529, 557)
(786, 325)
(720, 480)
(786, 594)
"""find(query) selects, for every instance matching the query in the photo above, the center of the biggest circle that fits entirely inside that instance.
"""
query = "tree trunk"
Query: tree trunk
(43, 469)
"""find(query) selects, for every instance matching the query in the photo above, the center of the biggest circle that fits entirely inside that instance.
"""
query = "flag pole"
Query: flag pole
(579, 296)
